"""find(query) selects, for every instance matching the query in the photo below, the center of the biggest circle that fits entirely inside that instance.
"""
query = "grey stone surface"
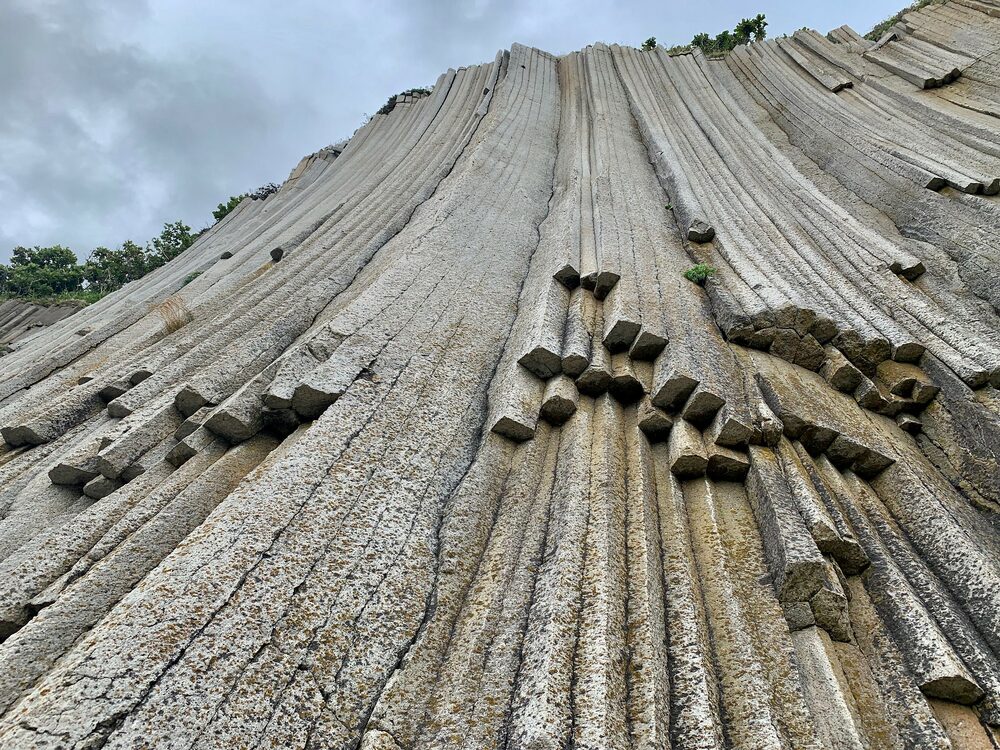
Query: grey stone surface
(474, 465)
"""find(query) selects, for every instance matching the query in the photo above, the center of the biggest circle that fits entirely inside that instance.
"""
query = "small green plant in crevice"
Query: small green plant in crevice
(191, 277)
(699, 273)
(649, 45)
(669, 206)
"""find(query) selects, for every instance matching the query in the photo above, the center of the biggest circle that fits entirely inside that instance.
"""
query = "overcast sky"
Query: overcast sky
(119, 115)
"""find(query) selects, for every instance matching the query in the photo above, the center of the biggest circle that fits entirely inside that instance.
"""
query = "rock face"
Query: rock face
(474, 465)
(19, 319)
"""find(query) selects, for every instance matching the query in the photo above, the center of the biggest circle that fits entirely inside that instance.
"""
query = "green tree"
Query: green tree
(649, 45)
(175, 238)
(36, 272)
(225, 209)
(743, 31)
(746, 31)
(43, 271)
(702, 41)
(107, 270)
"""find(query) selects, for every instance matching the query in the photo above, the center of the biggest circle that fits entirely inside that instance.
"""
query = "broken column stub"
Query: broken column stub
(700, 231)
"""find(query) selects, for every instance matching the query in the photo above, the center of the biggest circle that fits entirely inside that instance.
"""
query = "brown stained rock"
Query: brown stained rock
(604, 282)
(542, 363)
(559, 401)
(924, 393)
(798, 615)
(596, 378)
(653, 421)
(577, 338)
(674, 389)
(785, 344)
(702, 405)
(625, 384)
(647, 346)
(728, 429)
(909, 423)
(796, 565)
(840, 373)
(700, 230)
(817, 415)
(874, 396)
(725, 464)
(844, 451)
(962, 725)
(829, 606)
(686, 454)
(810, 354)
(900, 378)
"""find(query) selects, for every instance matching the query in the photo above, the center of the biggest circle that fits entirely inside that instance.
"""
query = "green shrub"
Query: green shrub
(48, 275)
(649, 45)
(746, 31)
(191, 277)
(699, 273)
(227, 208)
(391, 104)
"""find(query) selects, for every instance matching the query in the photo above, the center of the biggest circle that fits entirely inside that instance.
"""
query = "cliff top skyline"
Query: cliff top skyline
(120, 116)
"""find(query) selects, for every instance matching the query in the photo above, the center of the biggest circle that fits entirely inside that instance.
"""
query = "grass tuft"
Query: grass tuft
(174, 313)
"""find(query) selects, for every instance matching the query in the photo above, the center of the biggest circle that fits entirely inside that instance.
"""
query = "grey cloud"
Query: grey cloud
(119, 115)
(100, 140)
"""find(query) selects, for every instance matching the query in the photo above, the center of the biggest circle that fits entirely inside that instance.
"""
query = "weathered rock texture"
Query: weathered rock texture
(19, 318)
(441, 449)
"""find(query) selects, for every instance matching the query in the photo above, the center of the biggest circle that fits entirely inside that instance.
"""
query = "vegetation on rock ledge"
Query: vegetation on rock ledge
(746, 31)
(391, 104)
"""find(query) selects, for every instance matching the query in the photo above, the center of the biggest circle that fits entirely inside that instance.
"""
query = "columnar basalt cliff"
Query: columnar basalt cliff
(440, 448)
(20, 318)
